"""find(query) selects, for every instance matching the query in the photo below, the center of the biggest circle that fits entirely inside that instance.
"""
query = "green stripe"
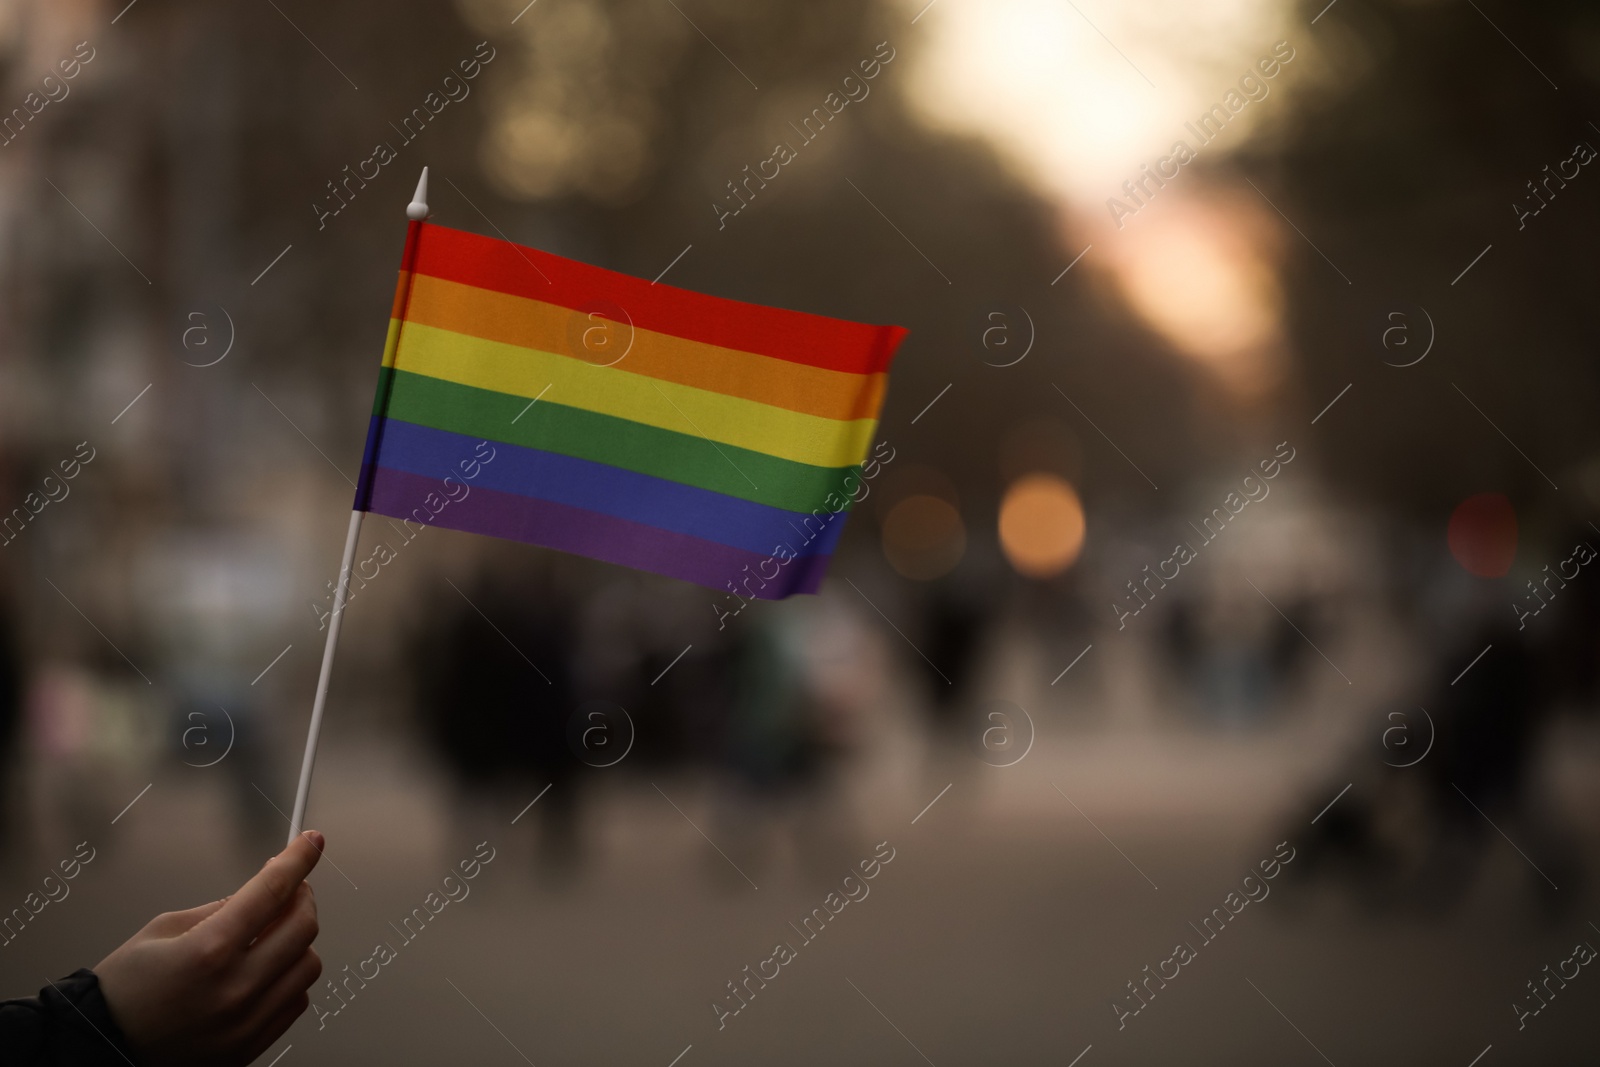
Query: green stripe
(676, 457)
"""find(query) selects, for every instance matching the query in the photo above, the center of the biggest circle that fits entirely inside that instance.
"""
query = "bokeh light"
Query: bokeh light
(924, 537)
(1041, 525)
(1483, 535)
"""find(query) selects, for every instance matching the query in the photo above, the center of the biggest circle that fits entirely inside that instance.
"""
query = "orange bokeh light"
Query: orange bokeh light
(1041, 525)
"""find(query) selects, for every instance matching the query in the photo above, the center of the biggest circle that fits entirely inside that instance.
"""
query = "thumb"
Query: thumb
(247, 912)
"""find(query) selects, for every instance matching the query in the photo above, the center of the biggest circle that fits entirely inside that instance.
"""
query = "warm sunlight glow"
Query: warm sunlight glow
(1118, 114)
(1071, 110)
(1203, 275)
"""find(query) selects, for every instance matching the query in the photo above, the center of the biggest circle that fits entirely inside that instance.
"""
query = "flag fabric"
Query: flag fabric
(535, 398)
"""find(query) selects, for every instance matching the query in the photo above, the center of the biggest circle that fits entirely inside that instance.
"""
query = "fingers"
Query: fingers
(258, 901)
(292, 983)
(284, 941)
(173, 923)
(284, 1001)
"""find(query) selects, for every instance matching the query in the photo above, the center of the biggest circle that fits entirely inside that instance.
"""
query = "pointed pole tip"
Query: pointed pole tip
(418, 208)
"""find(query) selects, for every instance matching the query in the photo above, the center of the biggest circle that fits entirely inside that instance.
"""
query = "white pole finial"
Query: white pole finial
(418, 208)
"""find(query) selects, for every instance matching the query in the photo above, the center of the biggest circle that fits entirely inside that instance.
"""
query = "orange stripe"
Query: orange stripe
(534, 324)
(500, 266)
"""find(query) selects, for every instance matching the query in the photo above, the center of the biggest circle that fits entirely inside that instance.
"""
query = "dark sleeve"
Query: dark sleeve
(67, 1023)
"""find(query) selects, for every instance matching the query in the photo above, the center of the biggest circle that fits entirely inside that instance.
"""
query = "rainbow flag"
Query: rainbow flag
(538, 399)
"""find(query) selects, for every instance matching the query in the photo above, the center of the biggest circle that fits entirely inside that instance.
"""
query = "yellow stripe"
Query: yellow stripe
(724, 419)
(527, 323)
(391, 342)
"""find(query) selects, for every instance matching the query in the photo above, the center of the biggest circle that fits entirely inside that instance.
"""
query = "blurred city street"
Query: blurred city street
(1004, 903)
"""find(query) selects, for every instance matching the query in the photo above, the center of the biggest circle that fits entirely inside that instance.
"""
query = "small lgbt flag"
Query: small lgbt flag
(538, 399)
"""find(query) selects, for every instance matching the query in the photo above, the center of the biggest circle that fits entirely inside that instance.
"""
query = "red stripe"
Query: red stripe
(489, 263)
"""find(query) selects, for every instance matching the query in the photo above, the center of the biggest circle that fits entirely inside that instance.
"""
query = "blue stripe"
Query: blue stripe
(608, 490)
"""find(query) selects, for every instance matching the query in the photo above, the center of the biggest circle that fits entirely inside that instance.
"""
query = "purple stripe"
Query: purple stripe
(597, 536)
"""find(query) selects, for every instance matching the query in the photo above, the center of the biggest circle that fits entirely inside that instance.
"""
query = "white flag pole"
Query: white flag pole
(340, 595)
(417, 210)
